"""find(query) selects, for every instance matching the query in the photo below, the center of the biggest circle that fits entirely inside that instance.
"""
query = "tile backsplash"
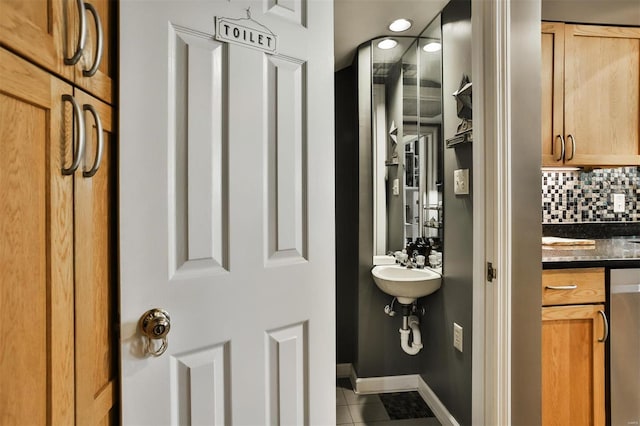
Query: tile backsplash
(587, 196)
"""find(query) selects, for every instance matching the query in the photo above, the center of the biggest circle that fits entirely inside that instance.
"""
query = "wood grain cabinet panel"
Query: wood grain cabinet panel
(573, 286)
(573, 365)
(95, 266)
(36, 247)
(552, 93)
(99, 84)
(590, 95)
(42, 31)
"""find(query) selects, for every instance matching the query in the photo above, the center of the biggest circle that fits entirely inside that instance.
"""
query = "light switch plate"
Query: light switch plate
(457, 337)
(396, 187)
(618, 203)
(461, 181)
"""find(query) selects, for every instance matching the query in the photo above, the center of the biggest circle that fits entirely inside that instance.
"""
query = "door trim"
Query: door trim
(498, 28)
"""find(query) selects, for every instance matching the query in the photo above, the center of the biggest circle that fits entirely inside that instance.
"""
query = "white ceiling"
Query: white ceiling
(357, 21)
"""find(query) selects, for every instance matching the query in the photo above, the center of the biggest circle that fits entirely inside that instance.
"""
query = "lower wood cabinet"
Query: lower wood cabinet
(573, 388)
(573, 347)
(58, 363)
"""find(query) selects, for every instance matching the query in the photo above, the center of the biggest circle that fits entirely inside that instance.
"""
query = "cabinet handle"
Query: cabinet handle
(606, 327)
(573, 147)
(79, 133)
(561, 156)
(561, 287)
(82, 35)
(100, 147)
(99, 43)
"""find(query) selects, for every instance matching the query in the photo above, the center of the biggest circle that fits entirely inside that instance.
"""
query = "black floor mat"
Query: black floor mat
(405, 405)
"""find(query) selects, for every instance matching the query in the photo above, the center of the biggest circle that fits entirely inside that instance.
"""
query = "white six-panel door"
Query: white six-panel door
(227, 214)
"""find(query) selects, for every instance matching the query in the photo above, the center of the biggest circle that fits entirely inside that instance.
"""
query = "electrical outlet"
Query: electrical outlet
(618, 203)
(461, 181)
(396, 187)
(457, 337)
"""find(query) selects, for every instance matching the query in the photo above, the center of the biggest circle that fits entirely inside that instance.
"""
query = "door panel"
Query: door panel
(226, 218)
(204, 374)
(36, 251)
(287, 393)
(198, 176)
(286, 166)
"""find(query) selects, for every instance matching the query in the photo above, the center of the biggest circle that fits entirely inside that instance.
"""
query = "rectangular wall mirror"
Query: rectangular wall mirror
(407, 140)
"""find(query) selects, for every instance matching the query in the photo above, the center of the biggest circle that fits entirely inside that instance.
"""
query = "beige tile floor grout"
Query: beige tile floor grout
(365, 410)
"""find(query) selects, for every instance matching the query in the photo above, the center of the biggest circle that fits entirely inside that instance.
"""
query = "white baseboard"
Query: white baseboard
(410, 382)
(343, 370)
(386, 384)
(442, 414)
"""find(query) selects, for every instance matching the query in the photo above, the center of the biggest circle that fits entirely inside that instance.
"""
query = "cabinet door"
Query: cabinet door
(100, 83)
(42, 31)
(96, 271)
(36, 247)
(602, 95)
(552, 93)
(573, 365)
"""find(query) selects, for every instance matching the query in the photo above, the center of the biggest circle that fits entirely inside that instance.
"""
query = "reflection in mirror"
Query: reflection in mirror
(407, 141)
(430, 130)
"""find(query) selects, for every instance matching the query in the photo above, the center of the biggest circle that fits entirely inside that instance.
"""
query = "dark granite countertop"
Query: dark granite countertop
(614, 251)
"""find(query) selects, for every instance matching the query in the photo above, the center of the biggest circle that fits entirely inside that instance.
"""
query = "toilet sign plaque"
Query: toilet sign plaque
(233, 31)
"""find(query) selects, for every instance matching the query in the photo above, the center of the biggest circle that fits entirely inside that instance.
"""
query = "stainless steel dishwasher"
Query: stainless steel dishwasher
(624, 297)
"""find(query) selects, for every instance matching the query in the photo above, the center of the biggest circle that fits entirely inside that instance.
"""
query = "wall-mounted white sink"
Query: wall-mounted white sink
(406, 284)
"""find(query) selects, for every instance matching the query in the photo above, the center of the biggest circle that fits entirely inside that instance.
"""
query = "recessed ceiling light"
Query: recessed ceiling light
(400, 25)
(434, 46)
(387, 43)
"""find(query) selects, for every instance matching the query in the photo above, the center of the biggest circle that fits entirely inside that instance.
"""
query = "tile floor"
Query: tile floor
(402, 409)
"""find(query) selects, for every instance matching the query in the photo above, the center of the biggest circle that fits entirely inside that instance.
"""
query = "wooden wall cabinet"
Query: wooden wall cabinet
(590, 95)
(573, 347)
(58, 351)
(47, 33)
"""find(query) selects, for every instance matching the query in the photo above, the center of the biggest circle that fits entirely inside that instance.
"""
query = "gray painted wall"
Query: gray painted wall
(446, 370)
(346, 174)
(378, 351)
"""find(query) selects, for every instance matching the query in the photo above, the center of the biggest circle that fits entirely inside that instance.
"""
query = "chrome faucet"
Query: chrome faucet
(411, 260)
